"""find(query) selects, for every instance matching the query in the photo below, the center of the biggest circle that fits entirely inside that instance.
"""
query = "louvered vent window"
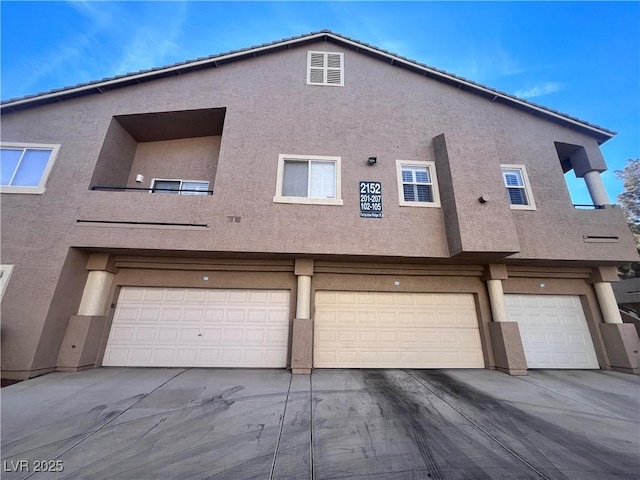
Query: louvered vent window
(325, 68)
(518, 188)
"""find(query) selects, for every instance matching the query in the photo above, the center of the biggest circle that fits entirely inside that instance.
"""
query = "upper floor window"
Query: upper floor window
(325, 68)
(518, 189)
(417, 184)
(308, 179)
(24, 168)
(180, 187)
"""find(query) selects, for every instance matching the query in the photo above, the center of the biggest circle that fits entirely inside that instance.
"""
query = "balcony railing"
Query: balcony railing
(190, 191)
(588, 206)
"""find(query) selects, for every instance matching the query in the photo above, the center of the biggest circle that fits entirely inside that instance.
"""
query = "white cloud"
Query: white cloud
(539, 90)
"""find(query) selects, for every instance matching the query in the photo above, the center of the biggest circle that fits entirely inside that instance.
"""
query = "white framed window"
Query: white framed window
(417, 184)
(308, 179)
(25, 167)
(325, 68)
(518, 188)
(5, 275)
(179, 187)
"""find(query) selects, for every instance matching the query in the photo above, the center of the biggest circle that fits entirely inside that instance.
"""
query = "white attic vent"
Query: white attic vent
(325, 68)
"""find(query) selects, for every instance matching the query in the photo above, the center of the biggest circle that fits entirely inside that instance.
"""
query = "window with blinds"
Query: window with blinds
(325, 68)
(517, 186)
(308, 179)
(417, 184)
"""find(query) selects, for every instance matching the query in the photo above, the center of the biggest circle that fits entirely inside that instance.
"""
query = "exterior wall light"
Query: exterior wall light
(483, 199)
(372, 160)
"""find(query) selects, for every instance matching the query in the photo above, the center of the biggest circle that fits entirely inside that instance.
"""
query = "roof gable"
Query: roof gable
(101, 86)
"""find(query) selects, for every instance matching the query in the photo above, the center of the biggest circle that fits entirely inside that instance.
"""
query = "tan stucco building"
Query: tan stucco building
(311, 203)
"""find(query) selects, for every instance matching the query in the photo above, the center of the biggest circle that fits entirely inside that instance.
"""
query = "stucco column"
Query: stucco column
(302, 339)
(303, 305)
(82, 339)
(496, 298)
(596, 188)
(620, 339)
(506, 343)
(96, 293)
(607, 301)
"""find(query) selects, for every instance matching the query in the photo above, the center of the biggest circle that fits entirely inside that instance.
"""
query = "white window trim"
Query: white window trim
(279, 198)
(434, 181)
(181, 180)
(40, 188)
(7, 270)
(325, 68)
(527, 186)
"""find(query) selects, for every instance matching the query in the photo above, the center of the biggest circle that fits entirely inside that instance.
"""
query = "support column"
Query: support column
(620, 339)
(505, 335)
(302, 340)
(96, 293)
(303, 306)
(81, 343)
(596, 188)
(496, 297)
(607, 301)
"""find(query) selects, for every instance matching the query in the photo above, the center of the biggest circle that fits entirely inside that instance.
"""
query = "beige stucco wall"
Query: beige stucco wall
(381, 111)
(185, 159)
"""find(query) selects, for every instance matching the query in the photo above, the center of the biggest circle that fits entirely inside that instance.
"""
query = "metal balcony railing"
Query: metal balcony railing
(588, 206)
(154, 190)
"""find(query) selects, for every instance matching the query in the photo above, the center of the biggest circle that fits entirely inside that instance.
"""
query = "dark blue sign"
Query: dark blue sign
(370, 200)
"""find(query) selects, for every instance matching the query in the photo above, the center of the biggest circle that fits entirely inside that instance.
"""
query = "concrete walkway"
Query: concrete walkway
(155, 423)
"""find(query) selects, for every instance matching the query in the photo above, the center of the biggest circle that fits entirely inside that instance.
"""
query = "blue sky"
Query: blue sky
(579, 58)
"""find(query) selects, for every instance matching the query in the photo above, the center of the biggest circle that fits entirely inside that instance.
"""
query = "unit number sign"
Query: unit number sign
(370, 200)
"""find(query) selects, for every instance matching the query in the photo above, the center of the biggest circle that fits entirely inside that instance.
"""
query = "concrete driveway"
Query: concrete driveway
(134, 423)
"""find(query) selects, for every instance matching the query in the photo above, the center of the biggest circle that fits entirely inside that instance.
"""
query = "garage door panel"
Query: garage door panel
(168, 334)
(213, 315)
(553, 329)
(193, 314)
(396, 330)
(145, 334)
(148, 314)
(122, 334)
(179, 327)
(212, 334)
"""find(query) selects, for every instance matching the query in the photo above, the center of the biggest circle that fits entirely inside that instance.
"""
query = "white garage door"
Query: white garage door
(554, 331)
(188, 327)
(396, 330)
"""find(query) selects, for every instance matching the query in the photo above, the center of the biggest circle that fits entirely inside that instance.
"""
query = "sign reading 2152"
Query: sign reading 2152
(370, 200)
